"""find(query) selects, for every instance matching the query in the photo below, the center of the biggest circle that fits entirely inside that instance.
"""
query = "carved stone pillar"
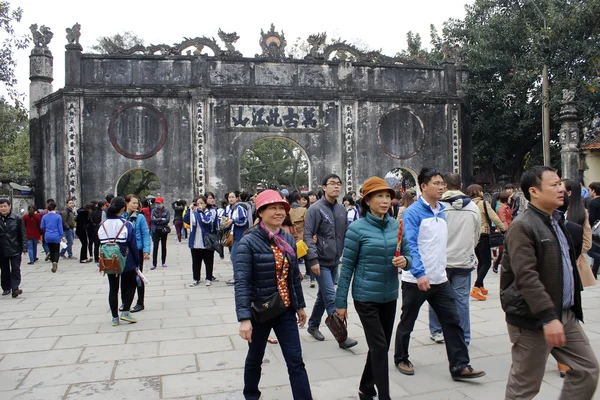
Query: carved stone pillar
(200, 147)
(72, 148)
(349, 136)
(40, 75)
(569, 137)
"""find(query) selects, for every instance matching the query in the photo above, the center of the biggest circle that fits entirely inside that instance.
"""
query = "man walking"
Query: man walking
(68, 218)
(327, 220)
(426, 230)
(464, 227)
(13, 242)
(540, 292)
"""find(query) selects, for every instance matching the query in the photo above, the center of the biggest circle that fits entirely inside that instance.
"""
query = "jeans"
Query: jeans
(484, 259)
(286, 329)
(325, 296)
(377, 320)
(441, 298)
(128, 285)
(32, 249)
(45, 246)
(460, 281)
(69, 235)
(10, 272)
(199, 255)
(159, 237)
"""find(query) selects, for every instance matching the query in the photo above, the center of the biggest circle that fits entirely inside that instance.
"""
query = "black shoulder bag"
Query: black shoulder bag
(273, 306)
(496, 238)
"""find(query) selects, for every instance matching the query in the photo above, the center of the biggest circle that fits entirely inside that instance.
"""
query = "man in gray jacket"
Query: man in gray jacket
(464, 227)
(327, 221)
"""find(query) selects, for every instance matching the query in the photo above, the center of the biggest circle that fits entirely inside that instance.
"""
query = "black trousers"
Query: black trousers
(83, 238)
(441, 299)
(199, 255)
(94, 242)
(484, 259)
(54, 251)
(128, 285)
(377, 320)
(594, 252)
(159, 238)
(141, 289)
(10, 272)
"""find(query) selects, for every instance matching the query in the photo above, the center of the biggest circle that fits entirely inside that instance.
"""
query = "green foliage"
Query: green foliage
(140, 182)
(110, 44)
(10, 43)
(14, 143)
(274, 162)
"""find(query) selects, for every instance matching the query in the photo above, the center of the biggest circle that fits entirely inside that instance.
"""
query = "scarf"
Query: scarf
(279, 239)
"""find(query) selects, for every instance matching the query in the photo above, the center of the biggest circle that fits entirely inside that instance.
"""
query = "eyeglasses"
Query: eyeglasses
(439, 184)
(338, 184)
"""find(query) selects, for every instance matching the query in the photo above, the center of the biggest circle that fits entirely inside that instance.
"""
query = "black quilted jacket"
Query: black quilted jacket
(255, 276)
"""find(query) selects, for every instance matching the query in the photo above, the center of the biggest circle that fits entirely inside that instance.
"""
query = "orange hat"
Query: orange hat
(270, 197)
(371, 185)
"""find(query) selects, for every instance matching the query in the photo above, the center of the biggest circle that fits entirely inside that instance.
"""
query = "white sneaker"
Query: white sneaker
(208, 283)
(437, 337)
(195, 283)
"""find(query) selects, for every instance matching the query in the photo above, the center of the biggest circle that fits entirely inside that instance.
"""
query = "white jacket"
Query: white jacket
(464, 227)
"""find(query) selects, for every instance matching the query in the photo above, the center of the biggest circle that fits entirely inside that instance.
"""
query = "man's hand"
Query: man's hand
(316, 269)
(246, 330)
(343, 313)
(423, 283)
(399, 262)
(554, 332)
(301, 317)
(146, 256)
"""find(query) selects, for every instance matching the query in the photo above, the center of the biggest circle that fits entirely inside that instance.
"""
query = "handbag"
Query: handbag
(269, 308)
(228, 239)
(301, 248)
(338, 327)
(212, 242)
(165, 229)
(496, 238)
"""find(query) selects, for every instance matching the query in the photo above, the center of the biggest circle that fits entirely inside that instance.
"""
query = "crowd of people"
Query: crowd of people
(384, 243)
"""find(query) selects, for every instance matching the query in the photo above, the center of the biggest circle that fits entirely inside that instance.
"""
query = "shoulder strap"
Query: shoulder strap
(487, 215)
(120, 230)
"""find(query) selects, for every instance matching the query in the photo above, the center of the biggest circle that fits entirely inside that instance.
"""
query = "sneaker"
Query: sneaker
(153, 267)
(484, 291)
(437, 337)
(47, 257)
(71, 258)
(164, 265)
(406, 368)
(115, 321)
(213, 279)
(230, 282)
(63, 256)
(36, 260)
(125, 316)
(17, 292)
(6, 292)
(137, 308)
(54, 267)
(195, 283)
(312, 283)
(208, 283)
(30, 262)
(476, 294)
(467, 373)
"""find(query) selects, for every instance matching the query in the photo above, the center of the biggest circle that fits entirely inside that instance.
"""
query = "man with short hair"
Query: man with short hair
(68, 218)
(464, 227)
(540, 292)
(13, 243)
(426, 230)
(327, 220)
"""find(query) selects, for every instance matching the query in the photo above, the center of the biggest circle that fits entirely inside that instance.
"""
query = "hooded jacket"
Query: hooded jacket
(464, 227)
(328, 221)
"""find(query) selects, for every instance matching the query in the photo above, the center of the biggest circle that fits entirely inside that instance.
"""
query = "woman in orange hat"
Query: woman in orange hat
(268, 295)
(370, 255)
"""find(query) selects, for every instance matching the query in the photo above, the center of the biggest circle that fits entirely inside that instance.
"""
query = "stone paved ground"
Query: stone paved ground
(57, 342)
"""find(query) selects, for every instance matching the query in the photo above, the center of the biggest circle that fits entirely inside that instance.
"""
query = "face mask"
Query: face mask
(159, 205)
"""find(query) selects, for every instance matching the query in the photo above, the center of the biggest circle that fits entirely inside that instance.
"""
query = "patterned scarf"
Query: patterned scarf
(279, 239)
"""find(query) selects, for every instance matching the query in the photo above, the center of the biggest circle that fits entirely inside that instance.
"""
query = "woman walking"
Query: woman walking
(505, 215)
(160, 218)
(178, 209)
(201, 219)
(115, 228)
(238, 221)
(32, 222)
(83, 221)
(369, 261)
(267, 269)
(52, 227)
(483, 250)
(142, 237)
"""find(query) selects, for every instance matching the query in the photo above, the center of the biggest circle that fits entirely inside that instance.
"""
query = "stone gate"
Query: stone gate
(187, 113)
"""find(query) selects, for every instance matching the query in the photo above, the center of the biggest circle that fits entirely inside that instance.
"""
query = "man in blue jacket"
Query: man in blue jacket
(142, 236)
(326, 220)
(427, 233)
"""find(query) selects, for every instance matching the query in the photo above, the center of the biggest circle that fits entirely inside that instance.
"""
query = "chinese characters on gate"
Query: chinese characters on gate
(274, 117)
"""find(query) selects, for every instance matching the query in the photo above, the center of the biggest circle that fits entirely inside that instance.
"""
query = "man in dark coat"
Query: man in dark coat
(13, 242)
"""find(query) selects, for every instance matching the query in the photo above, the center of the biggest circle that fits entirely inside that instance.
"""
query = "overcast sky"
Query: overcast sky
(379, 24)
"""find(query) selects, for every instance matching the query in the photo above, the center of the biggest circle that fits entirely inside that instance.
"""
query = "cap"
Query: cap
(267, 197)
(159, 200)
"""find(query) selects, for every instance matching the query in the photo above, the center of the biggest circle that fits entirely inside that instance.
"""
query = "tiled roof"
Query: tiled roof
(594, 144)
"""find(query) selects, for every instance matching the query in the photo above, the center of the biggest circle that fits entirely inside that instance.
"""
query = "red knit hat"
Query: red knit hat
(270, 197)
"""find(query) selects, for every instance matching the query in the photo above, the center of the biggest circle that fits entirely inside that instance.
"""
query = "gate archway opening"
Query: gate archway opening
(275, 163)
(139, 181)
(403, 179)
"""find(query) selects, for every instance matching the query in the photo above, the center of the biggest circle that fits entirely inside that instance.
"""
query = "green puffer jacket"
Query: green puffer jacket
(369, 248)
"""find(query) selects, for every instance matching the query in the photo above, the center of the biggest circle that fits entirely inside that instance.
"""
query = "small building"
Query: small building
(590, 160)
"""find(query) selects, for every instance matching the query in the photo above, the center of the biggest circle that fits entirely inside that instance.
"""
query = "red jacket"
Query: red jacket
(32, 226)
(146, 212)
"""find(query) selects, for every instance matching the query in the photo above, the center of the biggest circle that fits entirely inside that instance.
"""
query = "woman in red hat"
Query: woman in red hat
(268, 295)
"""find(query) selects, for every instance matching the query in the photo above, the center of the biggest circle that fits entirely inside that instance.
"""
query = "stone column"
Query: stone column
(73, 64)
(40, 75)
(569, 137)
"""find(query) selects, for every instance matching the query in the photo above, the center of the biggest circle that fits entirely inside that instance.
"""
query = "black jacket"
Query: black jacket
(13, 239)
(329, 223)
(255, 275)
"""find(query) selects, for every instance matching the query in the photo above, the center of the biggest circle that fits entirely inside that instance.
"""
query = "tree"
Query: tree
(14, 143)
(140, 182)
(274, 162)
(110, 44)
(10, 43)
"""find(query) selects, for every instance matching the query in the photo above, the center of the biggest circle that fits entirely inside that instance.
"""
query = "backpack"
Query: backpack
(112, 260)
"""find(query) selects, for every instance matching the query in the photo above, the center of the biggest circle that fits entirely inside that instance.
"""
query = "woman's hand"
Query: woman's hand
(246, 330)
(343, 313)
(146, 256)
(399, 262)
(301, 317)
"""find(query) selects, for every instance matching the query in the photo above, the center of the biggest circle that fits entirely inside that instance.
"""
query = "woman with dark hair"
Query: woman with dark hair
(267, 268)
(117, 229)
(92, 230)
(312, 197)
(146, 210)
(238, 222)
(351, 210)
(201, 219)
(82, 218)
(505, 215)
(159, 218)
(52, 227)
(96, 219)
(577, 214)
(408, 198)
(32, 222)
(483, 250)
(178, 208)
